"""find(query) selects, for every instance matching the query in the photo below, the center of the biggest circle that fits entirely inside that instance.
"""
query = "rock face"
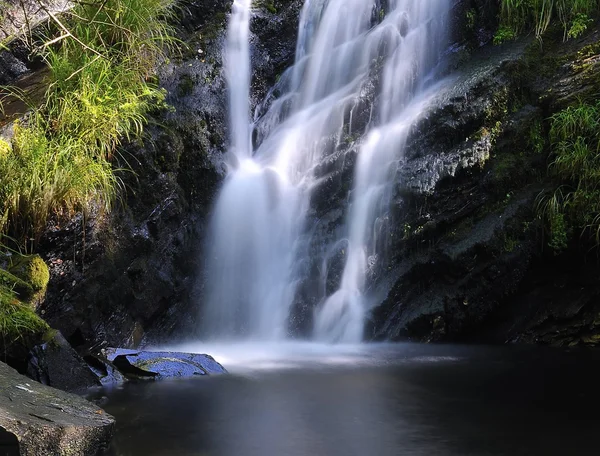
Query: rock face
(468, 257)
(50, 422)
(20, 16)
(463, 251)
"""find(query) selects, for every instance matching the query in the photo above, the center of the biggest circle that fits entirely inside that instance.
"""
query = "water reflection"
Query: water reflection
(391, 400)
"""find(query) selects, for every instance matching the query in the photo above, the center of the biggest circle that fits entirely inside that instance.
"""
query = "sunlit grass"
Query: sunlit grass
(101, 57)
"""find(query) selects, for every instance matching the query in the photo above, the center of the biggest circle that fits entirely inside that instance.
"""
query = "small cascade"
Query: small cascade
(258, 242)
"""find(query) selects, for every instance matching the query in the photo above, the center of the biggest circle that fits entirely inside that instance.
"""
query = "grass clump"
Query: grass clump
(520, 16)
(101, 56)
(575, 205)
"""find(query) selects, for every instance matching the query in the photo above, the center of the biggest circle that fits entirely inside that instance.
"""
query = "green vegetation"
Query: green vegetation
(20, 286)
(471, 17)
(18, 322)
(520, 16)
(575, 205)
(31, 269)
(101, 57)
(16, 285)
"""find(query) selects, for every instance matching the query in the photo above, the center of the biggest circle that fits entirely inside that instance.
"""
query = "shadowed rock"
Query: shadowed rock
(46, 421)
(56, 364)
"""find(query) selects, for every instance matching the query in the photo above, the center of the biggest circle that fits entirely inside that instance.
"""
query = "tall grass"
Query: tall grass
(101, 56)
(575, 205)
(519, 16)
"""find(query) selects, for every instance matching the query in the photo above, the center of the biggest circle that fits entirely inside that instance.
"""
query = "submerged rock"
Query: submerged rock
(46, 421)
(143, 364)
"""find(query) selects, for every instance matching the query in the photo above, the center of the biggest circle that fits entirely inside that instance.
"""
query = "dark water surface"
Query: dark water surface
(309, 400)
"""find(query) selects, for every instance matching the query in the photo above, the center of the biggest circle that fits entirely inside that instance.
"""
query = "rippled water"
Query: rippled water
(309, 399)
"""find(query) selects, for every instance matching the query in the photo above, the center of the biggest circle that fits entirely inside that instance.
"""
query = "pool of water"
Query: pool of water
(401, 399)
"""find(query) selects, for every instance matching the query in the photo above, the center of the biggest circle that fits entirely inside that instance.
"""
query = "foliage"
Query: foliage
(504, 34)
(575, 205)
(101, 55)
(17, 321)
(518, 16)
(579, 25)
(471, 17)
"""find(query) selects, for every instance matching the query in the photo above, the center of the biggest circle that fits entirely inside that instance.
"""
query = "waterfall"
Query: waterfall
(258, 239)
(415, 32)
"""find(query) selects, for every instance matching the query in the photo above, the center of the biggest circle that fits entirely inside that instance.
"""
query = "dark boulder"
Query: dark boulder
(56, 364)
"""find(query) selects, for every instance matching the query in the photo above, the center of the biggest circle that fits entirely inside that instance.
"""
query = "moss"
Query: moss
(13, 283)
(185, 86)
(18, 323)
(536, 140)
(31, 269)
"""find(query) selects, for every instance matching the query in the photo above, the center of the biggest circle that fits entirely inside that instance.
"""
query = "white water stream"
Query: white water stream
(258, 233)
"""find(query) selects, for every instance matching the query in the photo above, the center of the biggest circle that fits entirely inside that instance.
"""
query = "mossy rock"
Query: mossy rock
(31, 269)
(10, 282)
(20, 327)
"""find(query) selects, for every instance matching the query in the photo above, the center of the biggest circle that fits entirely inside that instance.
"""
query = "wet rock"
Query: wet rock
(21, 16)
(466, 238)
(46, 421)
(56, 364)
(158, 365)
(106, 371)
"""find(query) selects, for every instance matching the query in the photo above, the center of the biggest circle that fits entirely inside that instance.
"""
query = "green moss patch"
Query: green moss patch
(16, 285)
(31, 269)
(18, 323)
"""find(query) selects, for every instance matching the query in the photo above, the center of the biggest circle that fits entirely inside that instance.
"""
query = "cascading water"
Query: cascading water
(258, 234)
(414, 30)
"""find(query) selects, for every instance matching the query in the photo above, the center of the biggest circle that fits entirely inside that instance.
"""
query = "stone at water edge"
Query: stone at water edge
(162, 364)
(47, 421)
(55, 363)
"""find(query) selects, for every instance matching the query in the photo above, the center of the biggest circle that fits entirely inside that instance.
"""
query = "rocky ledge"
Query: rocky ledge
(46, 421)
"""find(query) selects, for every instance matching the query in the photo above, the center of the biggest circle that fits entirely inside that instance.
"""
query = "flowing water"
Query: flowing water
(380, 400)
(259, 243)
